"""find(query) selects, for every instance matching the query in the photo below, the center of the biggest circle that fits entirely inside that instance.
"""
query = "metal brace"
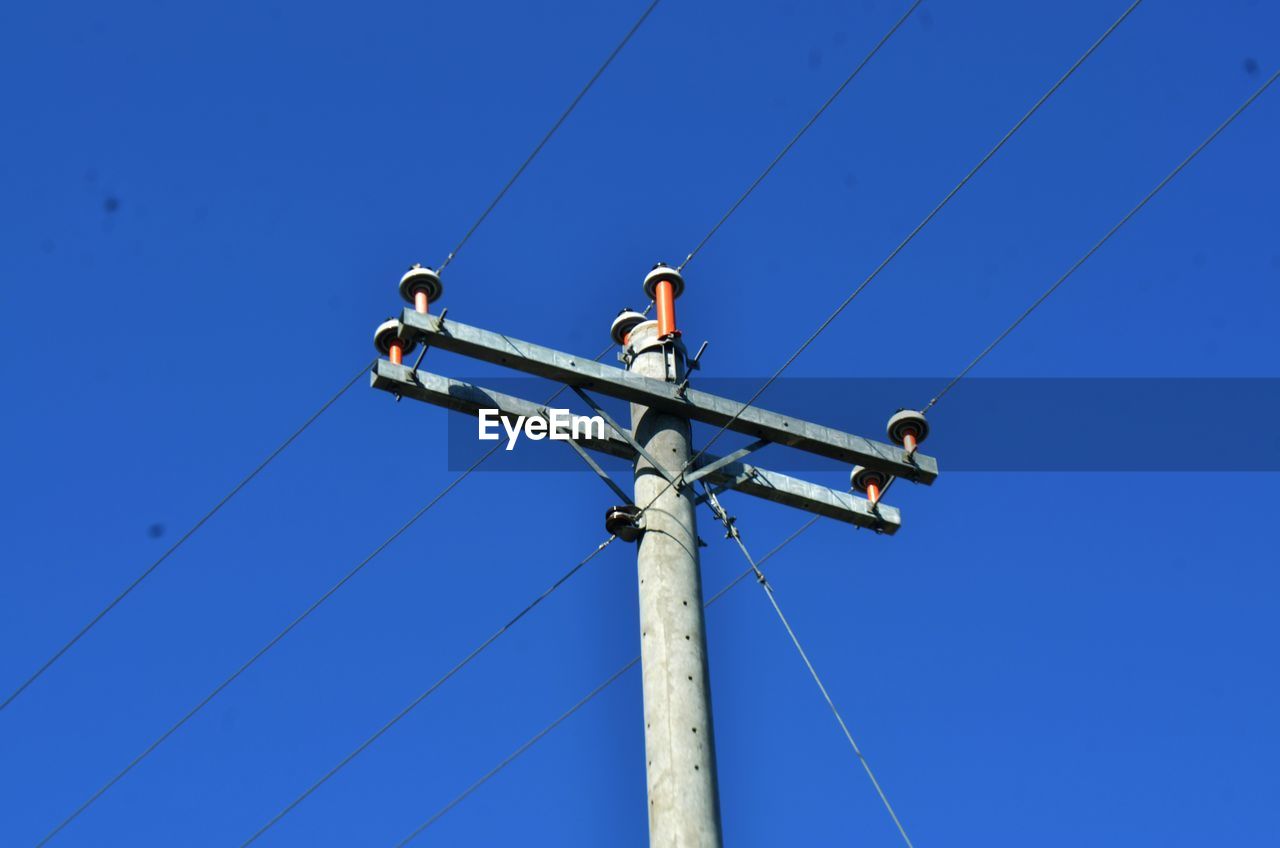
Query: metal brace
(593, 465)
(626, 434)
(691, 365)
(413, 372)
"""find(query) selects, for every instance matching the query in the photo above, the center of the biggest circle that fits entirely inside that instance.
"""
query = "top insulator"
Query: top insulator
(391, 332)
(623, 325)
(907, 422)
(661, 272)
(420, 278)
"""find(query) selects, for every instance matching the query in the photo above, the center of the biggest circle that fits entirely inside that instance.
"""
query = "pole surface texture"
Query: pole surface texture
(684, 804)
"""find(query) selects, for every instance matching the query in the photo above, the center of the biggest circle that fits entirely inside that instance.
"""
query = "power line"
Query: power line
(57, 655)
(538, 149)
(609, 681)
(790, 144)
(1100, 242)
(510, 758)
(279, 636)
(910, 236)
(425, 694)
(497, 199)
(732, 531)
(263, 650)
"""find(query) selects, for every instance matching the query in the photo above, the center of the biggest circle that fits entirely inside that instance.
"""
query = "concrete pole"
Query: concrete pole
(684, 802)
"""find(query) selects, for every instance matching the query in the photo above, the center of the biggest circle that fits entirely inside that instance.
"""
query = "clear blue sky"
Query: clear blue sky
(207, 207)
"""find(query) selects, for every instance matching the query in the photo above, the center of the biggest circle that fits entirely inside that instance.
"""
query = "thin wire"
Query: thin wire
(360, 749)
(517, 752)
(279, 636)
(910, 236)
(1098, 244)
(609, 681)
(733, 533)
(264, 649)
(538, 149)
(786, 149)
(426, 694)
(57, 655)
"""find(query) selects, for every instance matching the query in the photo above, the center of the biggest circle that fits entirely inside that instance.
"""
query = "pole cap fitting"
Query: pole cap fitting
(860, 478)
(623, 325)
(906, 421)
(389, 331)
(662, 272)
(420, 278)
(623, 522)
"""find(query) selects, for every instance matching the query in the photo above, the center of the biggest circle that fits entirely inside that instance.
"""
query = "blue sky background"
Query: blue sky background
(206, 211)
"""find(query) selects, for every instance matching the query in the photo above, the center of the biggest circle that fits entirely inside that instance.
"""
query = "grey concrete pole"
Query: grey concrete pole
(684, 802)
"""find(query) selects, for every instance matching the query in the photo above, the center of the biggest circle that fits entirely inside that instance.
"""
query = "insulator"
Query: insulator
(623, 325)
(421, 287)
(869, 482)
(391, 340)
(908, 428)
(623, 522)
(663, 285)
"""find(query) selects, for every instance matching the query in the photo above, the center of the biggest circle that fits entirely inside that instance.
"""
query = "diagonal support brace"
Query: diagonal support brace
(626, 434)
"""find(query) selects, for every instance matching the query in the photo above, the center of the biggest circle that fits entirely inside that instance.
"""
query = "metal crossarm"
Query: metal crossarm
(462, 396)
(657, 394)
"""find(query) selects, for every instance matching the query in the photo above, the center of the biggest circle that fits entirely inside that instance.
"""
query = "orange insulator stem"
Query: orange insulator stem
(909, 442)
(665, 298)
(420, 301)
(397, 353)
(873, 493)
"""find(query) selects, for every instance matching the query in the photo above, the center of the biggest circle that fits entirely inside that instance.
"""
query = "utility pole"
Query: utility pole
(684, 801)
(684, 806)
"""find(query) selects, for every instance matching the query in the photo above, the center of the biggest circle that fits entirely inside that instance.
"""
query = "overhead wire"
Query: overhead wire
(235, 490)
(822, 327)
(261, 652)
(538, 148)
(279, 636)
(731, 529)
(146, 572)
(754, 567)
(804, 129)
(1000, 337)
(909, 238)
(470, 656)
(497, 199)
(609, 681)
(412, 705)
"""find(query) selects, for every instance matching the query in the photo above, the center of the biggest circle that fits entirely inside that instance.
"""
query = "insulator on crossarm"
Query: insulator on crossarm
(421, 287)
(871, 483)
(392, 342)
(622, 326)
(663, 285)
(908, 428)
